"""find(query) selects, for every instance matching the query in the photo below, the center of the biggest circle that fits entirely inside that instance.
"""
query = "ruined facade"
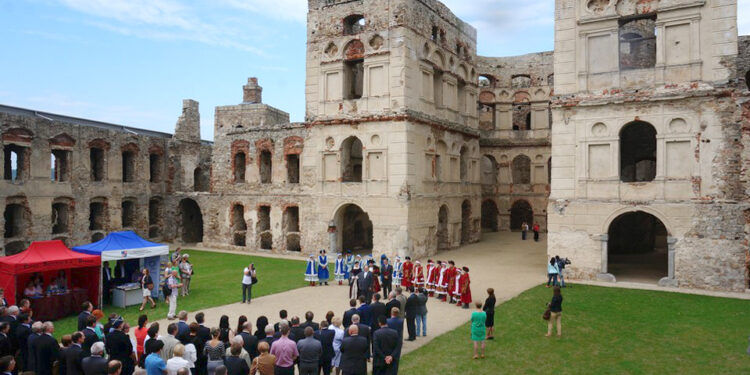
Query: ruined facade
(626, 143)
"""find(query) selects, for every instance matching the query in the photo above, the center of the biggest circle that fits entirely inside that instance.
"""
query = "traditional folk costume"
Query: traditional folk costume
(348, 264)
(397, 272)
(408, 274)
(465, 284)
(339, 270)
(452, 274)
(455, 287)
(429, 278)
(418, 279)
(353, 278)
(376, 279)
(323, 275)
(442, 285)
(311, 273)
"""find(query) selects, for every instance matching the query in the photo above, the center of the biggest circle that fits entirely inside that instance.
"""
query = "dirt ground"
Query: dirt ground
(501, 261)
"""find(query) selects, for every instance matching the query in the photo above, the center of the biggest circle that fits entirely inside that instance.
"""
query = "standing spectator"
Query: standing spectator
(225, 333)
(5, 347)
(119, 347)
(203, 332)
(175, 256)
(386, 349)
(249, 341)
(285, 351)
(214, 352)
(401, 300)
(535, 228)
(191, 350)
(555, 308)
(422, 312)
(155, 365)
(237, 341)
(147, 285)
(393, 302)
(265, 363)
(86, 309)
(552, 272)
(296, 332)
(186, 273)
(90, 336)
(62, 367)
(46, 350)
(240, 323)
(174, 286)
(170, 341)
(7, 365)
(140, 336)
(396, 323)
(326, 337)
(247, 282)
(364, 312)
(377, 309)
(153, 335)
(37, 329)
(365, 283)
(478, 319)
(183, 328)
(561, 269)
(234, 364)
(74, 354)
(101, 330)
(489, 309)
(349, 313)
(310, 350)
(386, 277)
(177, 361)
(354, 350)
(282, 316)
(338, 337)
(114, 367)
(524, 229)
(309, 316)
(269, 338)
(22, 336)
(95, 364)
(13, 320)
(363, 331)
(411, 316)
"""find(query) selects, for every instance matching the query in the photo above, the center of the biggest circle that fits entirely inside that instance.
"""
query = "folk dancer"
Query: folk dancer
(339, 270)
(452, 272)
(465, 288)
(455, 287)
(348, 264)
(442, 288)
(418, 275)
(397, 272)
(311, 273)
(353, 278)
(375, 278)
(323, 275)
(428, 282)
(408, 269)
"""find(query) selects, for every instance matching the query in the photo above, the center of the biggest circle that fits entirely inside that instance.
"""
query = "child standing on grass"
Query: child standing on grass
(478, 319)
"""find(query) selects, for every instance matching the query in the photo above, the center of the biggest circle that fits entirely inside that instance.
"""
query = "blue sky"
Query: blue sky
(132, 62)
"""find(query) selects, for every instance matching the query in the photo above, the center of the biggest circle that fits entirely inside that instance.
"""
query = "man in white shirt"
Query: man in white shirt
(174, 286)
(247, 282)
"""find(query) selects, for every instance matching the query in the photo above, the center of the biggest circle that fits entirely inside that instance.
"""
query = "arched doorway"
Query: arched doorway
(637, 247)
(192, 221)
(521, 212)
(465, 222)
(489, 216)
(354, 229)
(442, 229)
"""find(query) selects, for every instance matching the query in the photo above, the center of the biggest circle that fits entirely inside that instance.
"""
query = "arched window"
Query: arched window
(464, 164)
(354, 24)
(489, 170)
(351, 160)
(522, 170)
(354, 70)
(637, 152)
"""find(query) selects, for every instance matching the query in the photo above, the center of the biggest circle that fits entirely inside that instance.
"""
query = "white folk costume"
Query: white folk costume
(442, 284)
(323, 274)
(311, 273)
(397, 272)
(456, 287)
(429, 283)
(339, 270)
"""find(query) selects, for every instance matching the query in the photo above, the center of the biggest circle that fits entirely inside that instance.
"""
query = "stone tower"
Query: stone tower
(391, 97)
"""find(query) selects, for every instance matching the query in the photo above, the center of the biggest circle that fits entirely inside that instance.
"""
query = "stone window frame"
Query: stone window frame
(24, 138)
(104, 146)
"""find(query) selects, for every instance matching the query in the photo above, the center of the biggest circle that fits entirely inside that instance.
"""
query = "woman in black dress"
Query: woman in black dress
(489, 308)
(260, 327)
(225, 333)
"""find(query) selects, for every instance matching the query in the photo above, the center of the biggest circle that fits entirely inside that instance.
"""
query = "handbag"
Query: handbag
(547, 314)
(254, 280)
(150, 286)
(166, 290)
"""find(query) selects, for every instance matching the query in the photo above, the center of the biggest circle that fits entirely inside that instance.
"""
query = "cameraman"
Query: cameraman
(247, 282)
(561, 263)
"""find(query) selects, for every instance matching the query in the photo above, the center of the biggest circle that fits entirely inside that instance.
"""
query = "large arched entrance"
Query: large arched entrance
(192, 221)
(354, 229)
(521, 212)
(489, 216)
(442, 229)
(637, 247)
(465, 222)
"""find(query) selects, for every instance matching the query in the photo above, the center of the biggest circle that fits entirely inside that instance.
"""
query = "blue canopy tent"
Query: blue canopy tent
(131, 252)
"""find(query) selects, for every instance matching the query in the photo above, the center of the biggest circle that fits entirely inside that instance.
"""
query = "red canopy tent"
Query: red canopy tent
(47, 258)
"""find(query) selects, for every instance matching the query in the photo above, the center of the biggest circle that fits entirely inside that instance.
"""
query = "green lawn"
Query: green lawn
(605, 331)
(217, 281)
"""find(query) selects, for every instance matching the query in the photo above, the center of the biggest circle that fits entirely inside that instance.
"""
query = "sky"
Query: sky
(131, 62)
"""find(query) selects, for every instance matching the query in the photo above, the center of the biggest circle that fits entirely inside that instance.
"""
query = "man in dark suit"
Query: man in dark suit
(386, 349)
(346, 321)
(365, 315)
(183, 329)
(95, 364)
(325, 336)
(119, 347)
(386, 277)
(22, 337)
(364, 284)
(296, 332)
(12, 319)
(396, 323)
(309, 316)
(46, 350)
(393, 302)
(282, 316)
(354, 350)
(74, 355)
(89, 335)
(36, 330)
(203, 332)
(5, 347)
(377, 309)
(249, 341)
(86, 309)
(411, 315)
(363, 331)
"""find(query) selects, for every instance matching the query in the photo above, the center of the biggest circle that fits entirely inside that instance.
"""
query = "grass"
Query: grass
(605, 331)
(217, 281)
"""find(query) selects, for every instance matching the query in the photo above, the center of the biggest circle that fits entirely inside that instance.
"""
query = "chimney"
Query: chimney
(253, 94)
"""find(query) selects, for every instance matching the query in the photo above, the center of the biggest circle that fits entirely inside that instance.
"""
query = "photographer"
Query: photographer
(248, 279)
(561, 263)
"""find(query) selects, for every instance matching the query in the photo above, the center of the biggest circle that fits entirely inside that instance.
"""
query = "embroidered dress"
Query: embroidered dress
(418, 280)
(429, 286)
(348, 266)
(397, 273)
(323, 274)
(339, 271)
(311, 273)
(456, 288)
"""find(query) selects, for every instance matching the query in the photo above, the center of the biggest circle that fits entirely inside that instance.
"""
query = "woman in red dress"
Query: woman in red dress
(465, 283)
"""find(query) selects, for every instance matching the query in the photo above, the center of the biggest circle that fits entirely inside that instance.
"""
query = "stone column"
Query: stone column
(670, 280)
(603, 274)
